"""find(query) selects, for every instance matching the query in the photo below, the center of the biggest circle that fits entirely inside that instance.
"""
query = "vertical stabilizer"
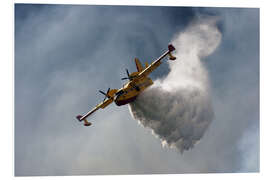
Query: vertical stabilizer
(138, 65)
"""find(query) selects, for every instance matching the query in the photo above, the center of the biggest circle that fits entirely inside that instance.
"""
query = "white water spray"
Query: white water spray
(178, 108)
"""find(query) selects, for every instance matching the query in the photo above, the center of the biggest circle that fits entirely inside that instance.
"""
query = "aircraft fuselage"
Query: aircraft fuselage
(131, 90)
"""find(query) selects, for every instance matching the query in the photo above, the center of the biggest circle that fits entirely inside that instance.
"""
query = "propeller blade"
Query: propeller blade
(106, 94)
(108, 91)
(127, 72)
(103, 93)
(129, 76)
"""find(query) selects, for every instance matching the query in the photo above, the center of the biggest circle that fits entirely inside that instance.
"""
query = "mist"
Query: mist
(178, 108)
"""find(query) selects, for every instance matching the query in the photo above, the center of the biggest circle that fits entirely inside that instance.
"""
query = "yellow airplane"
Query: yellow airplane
(138, 82)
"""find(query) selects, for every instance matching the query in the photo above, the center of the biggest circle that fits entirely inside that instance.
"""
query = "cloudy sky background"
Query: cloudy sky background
(65, 54)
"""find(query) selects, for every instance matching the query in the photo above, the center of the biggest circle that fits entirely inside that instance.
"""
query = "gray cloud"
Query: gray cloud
(64, 54)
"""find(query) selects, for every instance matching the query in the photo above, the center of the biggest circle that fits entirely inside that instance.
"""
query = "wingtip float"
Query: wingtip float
(137, 82)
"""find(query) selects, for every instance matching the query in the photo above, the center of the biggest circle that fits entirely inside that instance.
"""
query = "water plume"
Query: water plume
(178, 107)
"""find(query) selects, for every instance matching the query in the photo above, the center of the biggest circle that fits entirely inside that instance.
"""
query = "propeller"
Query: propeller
(128, 76)
(106, 94)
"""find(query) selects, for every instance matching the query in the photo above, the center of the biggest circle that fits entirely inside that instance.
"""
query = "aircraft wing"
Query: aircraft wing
(157, 62)
(101, 105)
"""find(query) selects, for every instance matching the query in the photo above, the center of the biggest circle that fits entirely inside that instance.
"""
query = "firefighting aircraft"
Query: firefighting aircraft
(138, 82)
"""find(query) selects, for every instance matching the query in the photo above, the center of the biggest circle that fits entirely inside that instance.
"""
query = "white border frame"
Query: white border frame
(7, 80)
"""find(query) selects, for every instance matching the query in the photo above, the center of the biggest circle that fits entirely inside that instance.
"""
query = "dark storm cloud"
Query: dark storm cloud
(64, 54)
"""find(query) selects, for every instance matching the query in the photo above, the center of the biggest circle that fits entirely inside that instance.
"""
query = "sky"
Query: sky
(64, 54)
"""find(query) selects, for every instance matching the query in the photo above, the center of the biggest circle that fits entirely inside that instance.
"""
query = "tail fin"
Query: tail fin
(138, 65)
